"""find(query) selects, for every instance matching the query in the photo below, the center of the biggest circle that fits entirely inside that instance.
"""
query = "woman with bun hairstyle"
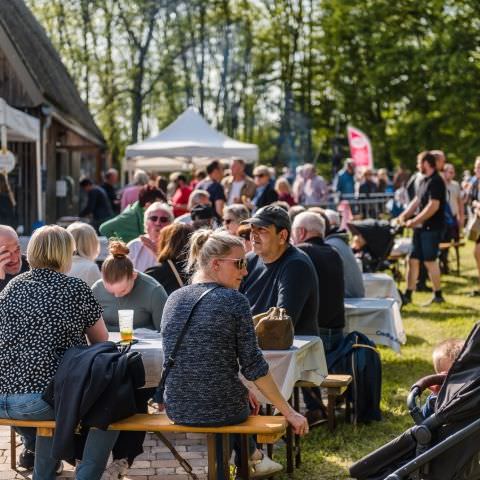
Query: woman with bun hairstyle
(203, 386)
(123, 288)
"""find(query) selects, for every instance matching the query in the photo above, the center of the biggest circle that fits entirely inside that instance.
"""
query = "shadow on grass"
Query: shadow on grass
(440, 312)
(414, 340)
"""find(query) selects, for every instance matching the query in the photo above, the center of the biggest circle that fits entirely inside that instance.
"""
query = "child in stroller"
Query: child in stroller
(445, 445)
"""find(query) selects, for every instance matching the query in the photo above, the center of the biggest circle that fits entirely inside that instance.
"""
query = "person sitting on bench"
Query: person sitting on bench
(203, 386)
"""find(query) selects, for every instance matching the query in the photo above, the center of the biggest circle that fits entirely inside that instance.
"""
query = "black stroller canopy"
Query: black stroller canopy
(459, 397)
(378, 235)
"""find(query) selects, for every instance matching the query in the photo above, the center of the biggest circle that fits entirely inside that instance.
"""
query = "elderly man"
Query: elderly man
(308, 231)
(313, 189)
(238, 186)
(279, 274)
(12, 262)
(197, 197)
(426, 215)
(338, 239)
(265, 193)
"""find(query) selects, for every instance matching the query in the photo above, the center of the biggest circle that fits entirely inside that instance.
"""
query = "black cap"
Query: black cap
(202, 212)
(270, 215)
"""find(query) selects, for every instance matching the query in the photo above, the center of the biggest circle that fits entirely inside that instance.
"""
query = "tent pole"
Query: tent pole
(38, 166)
(4, 138)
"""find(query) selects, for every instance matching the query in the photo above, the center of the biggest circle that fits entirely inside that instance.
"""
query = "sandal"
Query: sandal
(474, 293)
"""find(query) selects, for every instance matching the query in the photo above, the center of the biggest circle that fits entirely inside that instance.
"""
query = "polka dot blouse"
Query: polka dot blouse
(42, 314)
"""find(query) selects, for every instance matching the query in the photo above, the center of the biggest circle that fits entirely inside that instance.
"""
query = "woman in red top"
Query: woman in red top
(180, 197)
(282, 187)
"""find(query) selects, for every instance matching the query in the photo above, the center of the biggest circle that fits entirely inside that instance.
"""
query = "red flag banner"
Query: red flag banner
(360, 148)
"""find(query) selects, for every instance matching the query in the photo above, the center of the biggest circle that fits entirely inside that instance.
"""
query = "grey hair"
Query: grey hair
(238, 211)
(7, 231)
(158, 206)
(140, 178)
(311, 222)
(205, 245)
(333, 217)
(196, 196)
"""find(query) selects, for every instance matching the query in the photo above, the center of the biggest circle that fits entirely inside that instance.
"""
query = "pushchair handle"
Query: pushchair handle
(417, 390)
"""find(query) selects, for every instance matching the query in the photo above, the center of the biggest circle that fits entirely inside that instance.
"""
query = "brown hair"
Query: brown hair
(244, 231)
(117, 266)
(173, 242)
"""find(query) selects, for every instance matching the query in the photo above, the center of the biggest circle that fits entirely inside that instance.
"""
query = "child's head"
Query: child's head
(445, 353)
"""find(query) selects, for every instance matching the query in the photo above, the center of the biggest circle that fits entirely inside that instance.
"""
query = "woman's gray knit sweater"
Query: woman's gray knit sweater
(203, 386)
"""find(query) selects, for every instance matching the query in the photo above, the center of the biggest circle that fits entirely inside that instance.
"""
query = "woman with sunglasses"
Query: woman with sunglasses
(143, 249)
(233, 215)
(203, 386)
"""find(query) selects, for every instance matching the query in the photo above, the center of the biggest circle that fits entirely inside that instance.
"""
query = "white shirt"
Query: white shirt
(141, 256)
(235, 191)
(85, 269)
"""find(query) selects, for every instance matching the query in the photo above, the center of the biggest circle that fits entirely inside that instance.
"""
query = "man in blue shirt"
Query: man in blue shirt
(346, 179)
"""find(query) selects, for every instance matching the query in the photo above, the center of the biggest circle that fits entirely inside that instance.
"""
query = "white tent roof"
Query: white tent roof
(20, 126)
(190, 136)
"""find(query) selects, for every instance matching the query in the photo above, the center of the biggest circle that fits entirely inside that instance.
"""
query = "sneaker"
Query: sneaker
(406, 299)
(59, 467)
(265, 467)
(26, 459)
(116, 470)
(315, 417)
(434, 300)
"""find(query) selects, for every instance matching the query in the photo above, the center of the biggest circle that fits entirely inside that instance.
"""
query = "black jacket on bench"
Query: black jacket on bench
(95, 386)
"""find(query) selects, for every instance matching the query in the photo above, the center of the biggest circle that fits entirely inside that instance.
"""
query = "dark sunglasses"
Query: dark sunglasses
(240, 263)
(227, 221)
(155, 218)
(259, 175)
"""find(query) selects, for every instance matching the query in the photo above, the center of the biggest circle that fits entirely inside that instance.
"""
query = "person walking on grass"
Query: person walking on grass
(426, 215)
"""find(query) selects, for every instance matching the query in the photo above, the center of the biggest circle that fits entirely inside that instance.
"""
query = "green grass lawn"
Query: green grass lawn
(326, 455)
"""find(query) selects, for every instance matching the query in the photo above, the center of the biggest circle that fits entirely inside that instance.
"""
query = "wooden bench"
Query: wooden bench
(456, 246)
(268, 429)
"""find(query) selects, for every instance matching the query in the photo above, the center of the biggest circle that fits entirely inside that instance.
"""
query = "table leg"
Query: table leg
(331, 412)
(296, 406)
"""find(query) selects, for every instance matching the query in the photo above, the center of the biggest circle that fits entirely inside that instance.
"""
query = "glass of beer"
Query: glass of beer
(125, 323)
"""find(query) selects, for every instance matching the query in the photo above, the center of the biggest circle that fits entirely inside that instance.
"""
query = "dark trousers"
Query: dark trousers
(331, 339)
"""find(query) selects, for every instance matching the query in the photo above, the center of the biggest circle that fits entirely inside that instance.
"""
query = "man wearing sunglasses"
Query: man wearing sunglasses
(265, 194)
(280, 275)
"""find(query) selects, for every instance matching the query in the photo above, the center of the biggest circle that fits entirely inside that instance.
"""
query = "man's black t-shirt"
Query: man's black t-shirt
(433, 188)
(289, 282)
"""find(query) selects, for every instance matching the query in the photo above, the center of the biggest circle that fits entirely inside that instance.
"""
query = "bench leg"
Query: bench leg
(331, 411)
(218, 468)
(296, 406)
(13, 449)
(457, 256)
(269, 410)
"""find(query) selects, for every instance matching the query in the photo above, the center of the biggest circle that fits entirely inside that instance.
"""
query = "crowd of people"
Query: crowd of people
(216, 251)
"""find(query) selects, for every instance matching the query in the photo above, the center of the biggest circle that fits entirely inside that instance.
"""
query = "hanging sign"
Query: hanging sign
(7, 161)
(360, 148)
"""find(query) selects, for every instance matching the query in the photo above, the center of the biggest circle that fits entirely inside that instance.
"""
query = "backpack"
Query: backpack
(357, 356)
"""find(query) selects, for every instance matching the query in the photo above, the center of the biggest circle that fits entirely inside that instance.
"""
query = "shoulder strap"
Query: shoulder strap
(170, 361)
(175, 272)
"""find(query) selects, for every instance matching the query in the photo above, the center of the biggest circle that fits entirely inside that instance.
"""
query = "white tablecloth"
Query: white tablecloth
(378, 318)
(304, 361)
(381, 285)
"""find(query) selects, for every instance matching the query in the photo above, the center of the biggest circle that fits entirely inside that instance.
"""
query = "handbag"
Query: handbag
(170, 361)
(274, 329)
(473, 228)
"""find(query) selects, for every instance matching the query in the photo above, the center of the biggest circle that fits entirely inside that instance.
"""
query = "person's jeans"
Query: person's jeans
(331, 339)
(30, 406)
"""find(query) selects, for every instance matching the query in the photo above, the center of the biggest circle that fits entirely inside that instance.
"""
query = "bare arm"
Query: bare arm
(430, 209)
(269, 389)
(409, 211)
(219, 204)
(461, 213)
(97, 332)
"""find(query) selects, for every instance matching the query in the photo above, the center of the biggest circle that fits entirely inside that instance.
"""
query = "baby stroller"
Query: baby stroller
(378, 236)
(444, 446)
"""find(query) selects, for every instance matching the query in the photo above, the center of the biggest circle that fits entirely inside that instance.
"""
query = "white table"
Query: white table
(380, 285)
(304, 361)
(377, 318)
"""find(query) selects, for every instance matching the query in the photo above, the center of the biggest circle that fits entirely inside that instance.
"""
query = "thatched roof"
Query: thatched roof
(45, 65)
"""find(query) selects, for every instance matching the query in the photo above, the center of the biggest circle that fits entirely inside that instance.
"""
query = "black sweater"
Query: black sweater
(329, 267)
(289, 282)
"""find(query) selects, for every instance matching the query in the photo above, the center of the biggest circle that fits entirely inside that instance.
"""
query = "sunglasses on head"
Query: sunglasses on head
(155, 218)
(240, 263)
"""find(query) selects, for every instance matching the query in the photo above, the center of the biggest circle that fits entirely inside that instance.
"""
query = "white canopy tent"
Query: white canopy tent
(189, 137)
(18, 126)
